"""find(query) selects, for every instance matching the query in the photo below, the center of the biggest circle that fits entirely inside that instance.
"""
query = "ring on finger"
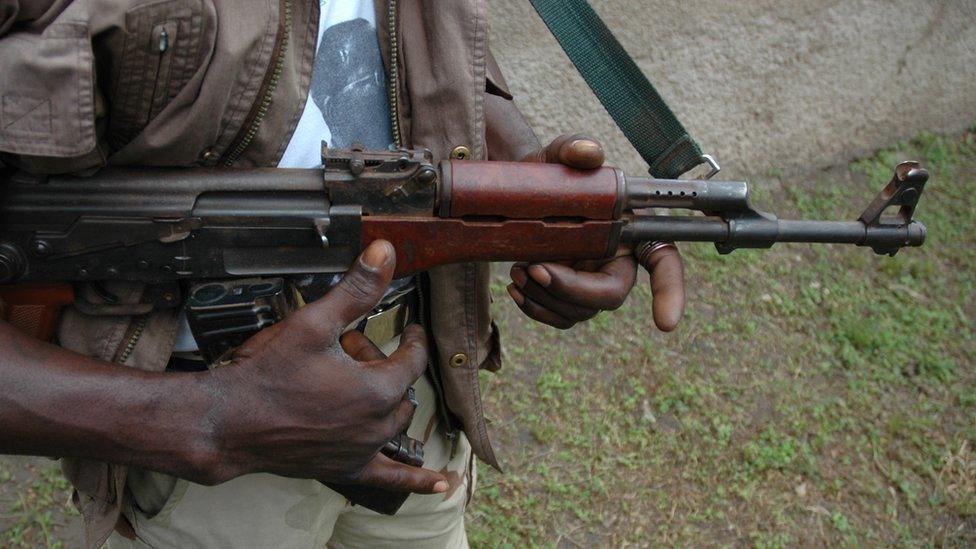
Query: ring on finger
(645, 249)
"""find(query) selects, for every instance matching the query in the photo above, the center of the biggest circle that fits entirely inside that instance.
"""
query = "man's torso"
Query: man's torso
(224, 84)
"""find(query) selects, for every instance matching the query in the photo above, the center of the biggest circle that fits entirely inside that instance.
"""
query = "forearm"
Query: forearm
(62, 404)
(507, 133)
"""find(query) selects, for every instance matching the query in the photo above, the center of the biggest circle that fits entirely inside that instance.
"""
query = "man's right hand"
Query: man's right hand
(294, 403)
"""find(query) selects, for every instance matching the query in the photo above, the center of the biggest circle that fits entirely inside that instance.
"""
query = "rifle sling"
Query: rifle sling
(617, 81)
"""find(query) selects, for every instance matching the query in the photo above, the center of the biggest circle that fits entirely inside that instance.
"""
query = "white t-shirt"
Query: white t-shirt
(346, 101)
(347, 96)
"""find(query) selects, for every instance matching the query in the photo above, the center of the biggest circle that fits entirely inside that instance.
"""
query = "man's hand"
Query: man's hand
(561, 295)
(296, 402)
(292, 402)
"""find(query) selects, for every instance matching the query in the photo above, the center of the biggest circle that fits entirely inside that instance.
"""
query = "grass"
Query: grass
(812, 395)
(35, 509)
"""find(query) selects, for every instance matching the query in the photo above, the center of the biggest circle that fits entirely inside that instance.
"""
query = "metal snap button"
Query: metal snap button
(459, 360)
(460, 153)
(208, 155)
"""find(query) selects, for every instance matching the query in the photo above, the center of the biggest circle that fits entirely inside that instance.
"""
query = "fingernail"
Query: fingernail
(377, 255)
(516, 295)
(441, 486)
(586, 147)
(518, 275)
(540, 275)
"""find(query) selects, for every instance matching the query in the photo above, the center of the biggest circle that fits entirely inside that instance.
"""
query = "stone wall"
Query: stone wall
(788, 85)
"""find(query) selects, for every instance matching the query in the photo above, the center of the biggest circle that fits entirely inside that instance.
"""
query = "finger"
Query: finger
(383, 472)
(566, 262)
(605, 289)
(667, 288)
(403, 417)
(407, 363)
(582, 152)
(565, 308)
(359, 347)
(594, 265)
(575, 150)
(550, 153)
(537, 312)
(360, 289)
(257, 341)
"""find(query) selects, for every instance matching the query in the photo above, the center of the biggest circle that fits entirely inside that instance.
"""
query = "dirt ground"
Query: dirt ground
(812, 396)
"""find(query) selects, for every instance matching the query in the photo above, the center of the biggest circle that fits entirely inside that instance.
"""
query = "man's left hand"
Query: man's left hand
(562, 294)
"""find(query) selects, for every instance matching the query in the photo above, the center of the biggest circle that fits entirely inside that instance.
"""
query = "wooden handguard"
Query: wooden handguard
(512, 211)
(526, 190)
(34, 308)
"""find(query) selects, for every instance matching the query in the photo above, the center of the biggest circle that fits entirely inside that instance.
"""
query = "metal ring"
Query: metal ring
(713, 167)
(651, 247)
(644, 251)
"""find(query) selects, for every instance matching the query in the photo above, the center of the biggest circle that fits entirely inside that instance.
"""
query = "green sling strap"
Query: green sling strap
(622, 88)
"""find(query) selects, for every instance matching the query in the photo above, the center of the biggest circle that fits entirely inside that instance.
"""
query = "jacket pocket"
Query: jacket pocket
(162, 47)
(47, 94)
(493, 362)
(152, 493)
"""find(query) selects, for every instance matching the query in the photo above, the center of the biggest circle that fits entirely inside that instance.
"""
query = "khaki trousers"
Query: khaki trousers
(265, 511)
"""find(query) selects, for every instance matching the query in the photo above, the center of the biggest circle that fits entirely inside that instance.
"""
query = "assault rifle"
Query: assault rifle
(161, 226)
(237, 234)
(245, 231)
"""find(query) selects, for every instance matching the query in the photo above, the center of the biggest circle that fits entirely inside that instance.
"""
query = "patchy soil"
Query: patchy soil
(35, 505)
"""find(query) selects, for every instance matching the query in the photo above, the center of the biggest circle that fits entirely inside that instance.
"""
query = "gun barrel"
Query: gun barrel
(675, 229)
(886, 236)
(763, 232)
(743, 226)
(827, 232)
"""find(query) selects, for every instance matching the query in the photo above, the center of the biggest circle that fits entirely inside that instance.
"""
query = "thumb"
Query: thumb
(360, 289)
(574, 150)
(388, 474)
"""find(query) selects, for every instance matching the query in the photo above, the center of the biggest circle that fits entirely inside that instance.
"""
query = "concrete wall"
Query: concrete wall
(763, 84)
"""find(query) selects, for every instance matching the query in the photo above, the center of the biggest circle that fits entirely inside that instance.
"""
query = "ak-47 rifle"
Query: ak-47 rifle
(168, 226)
(162, 226)
(238, 234)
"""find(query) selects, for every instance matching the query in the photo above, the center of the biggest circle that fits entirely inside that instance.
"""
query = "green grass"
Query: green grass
(812, 395)
(34, 504)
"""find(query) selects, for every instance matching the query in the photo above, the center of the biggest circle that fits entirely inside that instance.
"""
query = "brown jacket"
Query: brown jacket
(85, 84)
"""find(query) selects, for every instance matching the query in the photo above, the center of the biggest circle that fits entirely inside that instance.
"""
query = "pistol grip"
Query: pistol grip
(34, 308)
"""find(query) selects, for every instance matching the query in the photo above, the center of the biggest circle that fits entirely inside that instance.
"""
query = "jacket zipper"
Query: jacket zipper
(132, 336)
(393, 97)
(260, 109)
(393, 86)
(163, 42)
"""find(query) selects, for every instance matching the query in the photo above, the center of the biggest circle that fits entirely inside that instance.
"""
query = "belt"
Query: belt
(388, 320)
